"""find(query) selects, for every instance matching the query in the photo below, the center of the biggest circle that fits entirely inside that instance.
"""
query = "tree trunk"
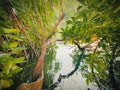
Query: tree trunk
(37, 85)
(38, 74)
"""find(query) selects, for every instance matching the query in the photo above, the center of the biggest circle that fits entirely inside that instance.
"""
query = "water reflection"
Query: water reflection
(76, 81)
(51, 66)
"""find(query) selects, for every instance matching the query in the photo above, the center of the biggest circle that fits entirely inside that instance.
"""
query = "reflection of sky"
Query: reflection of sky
(74, 82)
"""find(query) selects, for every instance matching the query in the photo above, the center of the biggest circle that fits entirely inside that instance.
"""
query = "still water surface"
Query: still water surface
(74, 82)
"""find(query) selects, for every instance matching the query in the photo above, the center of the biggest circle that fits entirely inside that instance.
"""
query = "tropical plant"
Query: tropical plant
(11, 55)
(96, 25)
(11, 50)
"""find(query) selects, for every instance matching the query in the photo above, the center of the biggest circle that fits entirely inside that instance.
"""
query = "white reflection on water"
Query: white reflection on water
(74, 82)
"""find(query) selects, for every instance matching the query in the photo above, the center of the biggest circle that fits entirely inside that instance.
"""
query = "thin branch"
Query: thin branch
(38, 17)
(79, 47)
(21, 27)
(55, 26)
(26, 55)
(53, 41)
(98, 44)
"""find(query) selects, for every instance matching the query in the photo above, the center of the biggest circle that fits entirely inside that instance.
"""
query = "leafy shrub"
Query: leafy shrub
(10, 55)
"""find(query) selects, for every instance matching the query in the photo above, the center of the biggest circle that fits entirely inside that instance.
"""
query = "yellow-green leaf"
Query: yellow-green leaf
(11, 31)
(117, 9)
(5, 83)
(13, 44)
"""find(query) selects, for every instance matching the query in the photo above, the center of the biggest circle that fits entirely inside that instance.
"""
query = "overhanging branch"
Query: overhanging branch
(54, 28)
(53, 41)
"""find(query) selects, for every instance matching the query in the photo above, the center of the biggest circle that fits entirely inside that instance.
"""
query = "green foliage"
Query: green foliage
(38, 18)
(34, 19)
(15, 31)
(97, 20)
(9, 57)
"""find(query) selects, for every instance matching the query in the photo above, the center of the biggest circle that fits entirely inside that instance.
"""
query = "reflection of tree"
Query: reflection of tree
(51, 66)
(80, 57)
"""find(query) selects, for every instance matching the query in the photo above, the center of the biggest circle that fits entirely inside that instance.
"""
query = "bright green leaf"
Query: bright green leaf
(18, 60)
(13, 44)
(15, 37)
(11, 31)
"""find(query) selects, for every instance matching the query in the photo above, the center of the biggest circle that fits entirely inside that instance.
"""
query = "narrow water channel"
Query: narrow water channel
(74, 82)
